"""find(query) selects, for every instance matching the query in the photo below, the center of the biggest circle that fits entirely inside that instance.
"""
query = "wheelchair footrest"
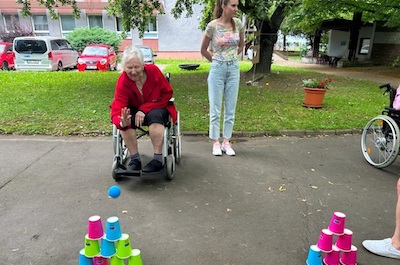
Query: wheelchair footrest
(125, 172)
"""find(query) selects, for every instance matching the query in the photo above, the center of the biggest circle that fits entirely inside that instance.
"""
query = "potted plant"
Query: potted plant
(314, 92)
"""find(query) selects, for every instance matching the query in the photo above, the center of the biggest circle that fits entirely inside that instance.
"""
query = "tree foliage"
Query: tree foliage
(135, 14)
(14, 30)
(51, 5)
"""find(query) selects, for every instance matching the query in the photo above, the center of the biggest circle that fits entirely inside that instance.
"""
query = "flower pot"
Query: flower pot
(313, 97)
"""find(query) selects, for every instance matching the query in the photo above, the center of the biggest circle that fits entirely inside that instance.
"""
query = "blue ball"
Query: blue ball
(114, 192)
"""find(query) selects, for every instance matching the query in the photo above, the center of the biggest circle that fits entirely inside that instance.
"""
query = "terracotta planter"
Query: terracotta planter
(313, 97)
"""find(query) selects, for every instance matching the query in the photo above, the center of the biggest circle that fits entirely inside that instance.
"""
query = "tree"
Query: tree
(309, 15)
(267, 16)
(50, 5)
(14, 30)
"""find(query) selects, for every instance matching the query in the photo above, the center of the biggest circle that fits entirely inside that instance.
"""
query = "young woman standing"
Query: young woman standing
(226, 35)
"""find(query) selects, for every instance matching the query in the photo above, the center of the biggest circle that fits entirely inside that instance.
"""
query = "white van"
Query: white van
(44, 53)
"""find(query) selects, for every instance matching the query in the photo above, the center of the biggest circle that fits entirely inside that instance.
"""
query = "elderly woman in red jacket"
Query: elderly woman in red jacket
(141, 98)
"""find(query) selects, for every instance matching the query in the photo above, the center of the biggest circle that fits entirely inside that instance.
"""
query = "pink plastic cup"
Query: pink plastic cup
(344, 241)
(95, 228)
(100, 261)
(325, 241)
(332, 258)
(349, 258)
(336, 225)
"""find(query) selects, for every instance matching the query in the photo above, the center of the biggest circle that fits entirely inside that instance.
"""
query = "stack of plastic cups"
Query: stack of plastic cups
(136, 258)
(313, 258)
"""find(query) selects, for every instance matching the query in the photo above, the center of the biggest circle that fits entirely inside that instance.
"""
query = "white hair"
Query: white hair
(131, 52)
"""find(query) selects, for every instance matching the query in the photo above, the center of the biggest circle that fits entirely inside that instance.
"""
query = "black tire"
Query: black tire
(4, 66)
(59, 66)
(170, 164)
(380, 141)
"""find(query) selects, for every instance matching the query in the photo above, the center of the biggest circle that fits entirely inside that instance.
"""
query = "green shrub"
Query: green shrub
(81, 37)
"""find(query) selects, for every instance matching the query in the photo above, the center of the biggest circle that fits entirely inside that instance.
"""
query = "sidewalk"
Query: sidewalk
(265, 206)
(373, 73)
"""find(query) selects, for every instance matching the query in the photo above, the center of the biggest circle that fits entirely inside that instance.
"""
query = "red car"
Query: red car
(97, 57)
(6, 56)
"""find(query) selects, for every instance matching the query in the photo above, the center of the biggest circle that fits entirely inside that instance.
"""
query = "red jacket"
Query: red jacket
(156, 94)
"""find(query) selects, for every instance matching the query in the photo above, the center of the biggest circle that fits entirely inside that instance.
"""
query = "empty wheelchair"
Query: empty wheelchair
(380, 137)
(171, 151)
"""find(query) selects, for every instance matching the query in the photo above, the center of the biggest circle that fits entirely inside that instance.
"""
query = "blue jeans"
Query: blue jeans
(223, 83)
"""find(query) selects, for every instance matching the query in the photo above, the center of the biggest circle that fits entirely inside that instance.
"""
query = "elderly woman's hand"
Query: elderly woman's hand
(139, 118)
(125, 118)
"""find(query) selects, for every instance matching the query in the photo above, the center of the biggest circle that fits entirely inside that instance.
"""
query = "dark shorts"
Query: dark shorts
(160, 116)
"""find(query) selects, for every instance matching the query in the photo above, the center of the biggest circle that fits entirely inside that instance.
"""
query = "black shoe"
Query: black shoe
(134, 165)
(153, 166)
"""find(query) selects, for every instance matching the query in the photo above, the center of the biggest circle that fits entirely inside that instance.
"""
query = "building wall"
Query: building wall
(177, 38)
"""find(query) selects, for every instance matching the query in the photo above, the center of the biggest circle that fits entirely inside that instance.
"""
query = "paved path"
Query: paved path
(369, 73)
(265, 206)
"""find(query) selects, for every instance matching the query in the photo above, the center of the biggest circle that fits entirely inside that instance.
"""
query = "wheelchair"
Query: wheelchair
(172, 150)
(380, 137)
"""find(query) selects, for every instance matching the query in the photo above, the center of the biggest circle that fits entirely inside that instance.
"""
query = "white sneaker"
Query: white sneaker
(217, 149)
(382, 248)
(227, 148)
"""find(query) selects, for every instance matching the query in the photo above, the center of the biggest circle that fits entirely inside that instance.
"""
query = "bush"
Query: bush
(81, 37)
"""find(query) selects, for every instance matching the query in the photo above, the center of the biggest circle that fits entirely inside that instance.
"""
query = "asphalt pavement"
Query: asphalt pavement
(267, 205)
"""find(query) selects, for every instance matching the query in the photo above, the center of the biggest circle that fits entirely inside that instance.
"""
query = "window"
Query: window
(40, 23)
(120, 28)
(95, 21)
(151, 32)
(364, 46)
(67, 23)
(10, 21)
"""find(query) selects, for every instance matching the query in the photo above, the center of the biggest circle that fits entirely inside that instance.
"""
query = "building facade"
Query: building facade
(169, 37)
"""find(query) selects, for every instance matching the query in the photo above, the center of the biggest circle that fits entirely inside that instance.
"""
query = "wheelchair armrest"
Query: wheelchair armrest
(392, 109)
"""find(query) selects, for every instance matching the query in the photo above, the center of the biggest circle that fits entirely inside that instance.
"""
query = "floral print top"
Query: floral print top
(224, 42)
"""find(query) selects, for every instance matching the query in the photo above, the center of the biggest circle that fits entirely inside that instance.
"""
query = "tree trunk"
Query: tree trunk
(268, 37)
(354, 33)
(316, 42)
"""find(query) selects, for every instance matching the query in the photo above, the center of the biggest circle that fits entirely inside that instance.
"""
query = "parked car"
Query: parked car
(148, 53)
(44, 53)
(6, 56)
(98, 57)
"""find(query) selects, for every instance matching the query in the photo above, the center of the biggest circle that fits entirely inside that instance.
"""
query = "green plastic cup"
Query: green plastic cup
(114, 260)
(124, 249)
(135, 258)
(92, 247)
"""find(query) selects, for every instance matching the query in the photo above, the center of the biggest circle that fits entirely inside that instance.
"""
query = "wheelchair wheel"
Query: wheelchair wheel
(177, 141)
(380, 141)
(170, 163)
(119, 146)
(114, 167)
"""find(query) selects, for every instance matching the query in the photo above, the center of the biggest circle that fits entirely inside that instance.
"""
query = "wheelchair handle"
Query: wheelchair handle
(388, 88)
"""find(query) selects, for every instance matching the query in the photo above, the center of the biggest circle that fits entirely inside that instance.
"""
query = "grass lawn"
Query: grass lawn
(71, 103)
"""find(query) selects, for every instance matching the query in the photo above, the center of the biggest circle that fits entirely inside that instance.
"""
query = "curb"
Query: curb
(285, 133)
